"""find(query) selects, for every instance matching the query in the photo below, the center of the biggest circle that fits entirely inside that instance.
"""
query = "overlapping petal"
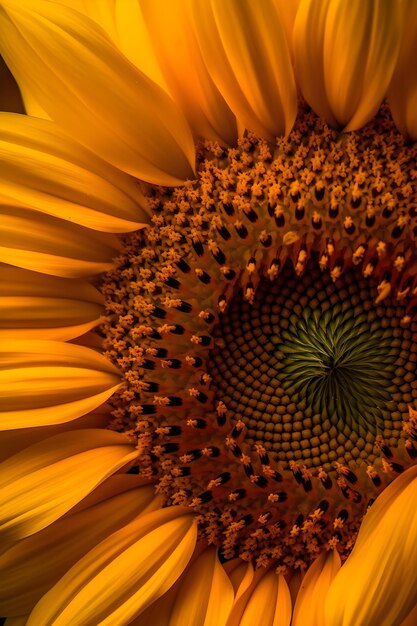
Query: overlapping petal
(402, 92)
(42, 169)
(34, 565)
(49, 245)
(177, 50)
(50, 382)
(266, 602)
(377, 586)
(41, 483)
(35, 306)
(309, 606)
(345, 54)
(85, 84)
(123, 574)
(245, 49)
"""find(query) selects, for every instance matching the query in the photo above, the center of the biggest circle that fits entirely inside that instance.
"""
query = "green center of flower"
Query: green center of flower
(264, 326)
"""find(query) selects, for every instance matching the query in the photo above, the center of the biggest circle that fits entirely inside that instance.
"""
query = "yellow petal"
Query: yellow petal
(266, 602)
(345, 53)
(45, 244)
(176, 48)
(205, 596)
(241, 576)
(10, 98)
(36, 563)
(309, 606)
(377, 585)
(123, 575)
(13, 441)
(402, 92)
(35, 306)
(44, 481)
(40, 169)
(110, 106)
(49, 382)
(245, 49)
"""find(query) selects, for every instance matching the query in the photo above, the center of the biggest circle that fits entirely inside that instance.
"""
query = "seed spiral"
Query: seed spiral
(264, 325)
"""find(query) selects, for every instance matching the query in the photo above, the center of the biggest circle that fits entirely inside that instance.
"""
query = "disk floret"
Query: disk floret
(257, 239)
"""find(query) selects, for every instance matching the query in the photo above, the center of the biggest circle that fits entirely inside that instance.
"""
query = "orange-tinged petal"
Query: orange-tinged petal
(241, 576)
(40, 169)
(16, 621)
(377, 585)
(245, 49)
(44, 481)
(36, 563)
(110, 106)
(177, 50)
(13, 441)
(402, 92)
(345, 53)
(45, 244)
(309, 606)
(49, 382)
(266, 602)
(206, 594)
(35, 306)
(123, 575)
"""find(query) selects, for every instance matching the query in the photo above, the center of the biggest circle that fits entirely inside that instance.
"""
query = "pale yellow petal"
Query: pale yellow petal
(402, 92)
(42, 243)
(177, 50)
(206, 594)
(86, 85)
(35, 306)
(123, 575)
(266, 602)
(44, 481)
(134, 40)
(10, 97)
(49, 382)
(377, 585)
(309, 606)
(36, 563)
(345, 53)
(40, 169)
(245, 49)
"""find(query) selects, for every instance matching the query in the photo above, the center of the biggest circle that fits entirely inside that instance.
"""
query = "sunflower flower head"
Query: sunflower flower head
(210, 286)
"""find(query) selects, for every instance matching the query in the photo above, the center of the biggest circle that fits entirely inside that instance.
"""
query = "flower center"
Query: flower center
(264, 326)
(314, 369)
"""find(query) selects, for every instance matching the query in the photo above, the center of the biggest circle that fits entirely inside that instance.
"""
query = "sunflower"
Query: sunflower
(209, 296)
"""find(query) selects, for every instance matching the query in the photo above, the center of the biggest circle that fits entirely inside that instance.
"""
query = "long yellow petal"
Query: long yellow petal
(50, 382)
(35, 306)
(345, 54)
(402, 92)
(309, 606)
(86, 85)
(206, 594)
(36, 563)
(266, 602)
(245, 49)
(123, 575)
(44, 481)
(377, 586)
(177, 50)
(40, 169)
(13, 441)
(45, 244)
